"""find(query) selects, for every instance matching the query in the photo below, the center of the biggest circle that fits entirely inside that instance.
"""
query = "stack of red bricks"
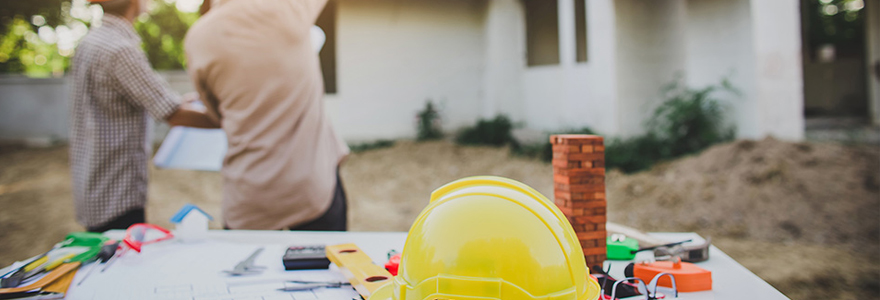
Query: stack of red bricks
(579, 189)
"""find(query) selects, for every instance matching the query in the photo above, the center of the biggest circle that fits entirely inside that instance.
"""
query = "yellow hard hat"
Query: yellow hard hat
(490, 238)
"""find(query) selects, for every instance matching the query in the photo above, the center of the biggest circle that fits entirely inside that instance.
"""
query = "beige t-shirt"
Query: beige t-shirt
(253, 64)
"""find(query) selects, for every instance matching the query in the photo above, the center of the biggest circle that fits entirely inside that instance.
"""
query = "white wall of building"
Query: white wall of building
(572, 94)
(650, 54)
(779, 99)
(719, 45)
(394, 55)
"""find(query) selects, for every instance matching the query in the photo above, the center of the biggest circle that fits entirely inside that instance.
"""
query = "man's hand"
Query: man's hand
(192, 113)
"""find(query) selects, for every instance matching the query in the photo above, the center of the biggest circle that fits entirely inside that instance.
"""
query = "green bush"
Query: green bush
(371, 145)
(544, 150)
(495, 132)
(428, 127)
(688, 121)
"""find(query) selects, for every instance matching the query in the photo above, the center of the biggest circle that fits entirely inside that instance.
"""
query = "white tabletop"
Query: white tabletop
(730, 279)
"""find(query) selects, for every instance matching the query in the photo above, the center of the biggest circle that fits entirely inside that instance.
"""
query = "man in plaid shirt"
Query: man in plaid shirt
(114, 87)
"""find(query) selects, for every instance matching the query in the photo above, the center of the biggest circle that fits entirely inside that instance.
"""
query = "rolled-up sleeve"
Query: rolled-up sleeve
(142, 86)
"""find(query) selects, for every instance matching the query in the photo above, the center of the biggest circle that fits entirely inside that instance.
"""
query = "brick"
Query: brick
(566, 149)
(576, 139)
(595, 251)
(580, 188)
(576, 197)
(587, 148)
(558, 179)
(597, 164)
(598, 148)
(586, 244)
(591, 235)
(580, 172)
(587, 156)
(567, 164)
(589, 206)
(590, 219)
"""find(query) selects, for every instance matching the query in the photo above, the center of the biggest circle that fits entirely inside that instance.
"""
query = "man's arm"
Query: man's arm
(144, 88)
(192, 115)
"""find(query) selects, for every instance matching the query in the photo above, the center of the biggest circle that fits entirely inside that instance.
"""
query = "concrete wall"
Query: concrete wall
(393, 55)
(35, 110)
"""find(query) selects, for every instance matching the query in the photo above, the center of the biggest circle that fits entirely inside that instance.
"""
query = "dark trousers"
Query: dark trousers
(336, 217)
(131, 217)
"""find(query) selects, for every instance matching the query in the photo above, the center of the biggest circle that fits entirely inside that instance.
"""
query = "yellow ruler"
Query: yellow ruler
(365, 276)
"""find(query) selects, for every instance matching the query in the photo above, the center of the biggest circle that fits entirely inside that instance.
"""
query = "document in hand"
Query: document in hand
(192, 149)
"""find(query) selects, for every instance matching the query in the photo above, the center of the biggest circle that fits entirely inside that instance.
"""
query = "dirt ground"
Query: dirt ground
(803, 216)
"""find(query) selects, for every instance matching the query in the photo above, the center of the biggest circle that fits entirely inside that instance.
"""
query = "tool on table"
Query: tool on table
(137, 236)
(32, 295)
(49, 266)
(15, 276)
(305, 258)
(659, 246)
(695, 253)
(107, 252)
(688, 277)
(365, 276)
(54, 275)
(310, 285)
(393, 262)
(621, 247)
(247, 267)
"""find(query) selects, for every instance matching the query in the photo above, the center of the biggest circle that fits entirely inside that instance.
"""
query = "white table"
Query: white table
(730, 280)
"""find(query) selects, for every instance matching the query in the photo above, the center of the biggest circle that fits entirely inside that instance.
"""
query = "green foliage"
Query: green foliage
(837, 22)
(371, 145)
(54, 11)
(544, 150)
(22, 51)
(688, 121)
(495, 132)
(428, 127)
(162, 33)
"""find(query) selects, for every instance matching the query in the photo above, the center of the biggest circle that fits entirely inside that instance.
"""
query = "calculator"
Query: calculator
(309, 257)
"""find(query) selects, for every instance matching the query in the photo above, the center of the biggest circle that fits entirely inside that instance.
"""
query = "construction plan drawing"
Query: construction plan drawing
(177, 270)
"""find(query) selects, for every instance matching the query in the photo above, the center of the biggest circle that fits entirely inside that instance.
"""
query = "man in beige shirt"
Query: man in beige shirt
(254, 66)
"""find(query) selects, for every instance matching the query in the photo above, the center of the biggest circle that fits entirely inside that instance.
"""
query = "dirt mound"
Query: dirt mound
(765, 190)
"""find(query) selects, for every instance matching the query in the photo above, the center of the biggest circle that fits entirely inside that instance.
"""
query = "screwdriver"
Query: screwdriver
(107, 251)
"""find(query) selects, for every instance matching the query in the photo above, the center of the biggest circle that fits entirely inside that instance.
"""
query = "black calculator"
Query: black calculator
(311, 257)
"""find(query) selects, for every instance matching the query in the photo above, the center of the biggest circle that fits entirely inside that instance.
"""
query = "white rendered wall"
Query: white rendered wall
(505, 59)
(719, 45)
(571, 94)
(394, 55)
(650, 54)
(779, 74)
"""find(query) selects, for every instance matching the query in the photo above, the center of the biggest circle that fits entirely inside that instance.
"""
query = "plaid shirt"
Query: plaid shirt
(113, 89)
